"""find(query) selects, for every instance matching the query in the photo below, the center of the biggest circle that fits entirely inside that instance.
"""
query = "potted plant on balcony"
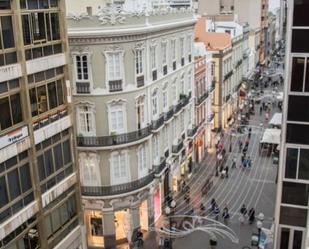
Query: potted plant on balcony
(114, 137)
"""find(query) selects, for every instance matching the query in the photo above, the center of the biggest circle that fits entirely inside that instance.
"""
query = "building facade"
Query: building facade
(39, 180)
(293, 185)
(133, 75)
(203, 88)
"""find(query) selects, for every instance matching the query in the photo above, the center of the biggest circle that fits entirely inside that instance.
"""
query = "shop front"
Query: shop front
(200, 146)
(157, 203)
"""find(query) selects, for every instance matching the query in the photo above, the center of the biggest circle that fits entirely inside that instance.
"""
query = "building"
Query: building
(203, 89)
(293, 177)
(220, 44)
(133, 73)
(271, 43)
(253, 12)
(39, 180)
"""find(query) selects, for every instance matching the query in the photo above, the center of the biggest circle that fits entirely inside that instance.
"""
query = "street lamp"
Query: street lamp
(168, 212)
(259, 225)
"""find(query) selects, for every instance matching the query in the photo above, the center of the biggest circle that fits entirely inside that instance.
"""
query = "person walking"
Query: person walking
(216, 212)
(249, 162)
(261, 110)
(234, 163)
(266, 116)
(225, 215)
(249, 134)
(243, 212)
(212, 204)
(251, 216)
(240, 145)
(226, 171)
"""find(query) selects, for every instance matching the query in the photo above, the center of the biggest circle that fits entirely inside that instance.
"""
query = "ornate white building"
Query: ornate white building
(132, 80)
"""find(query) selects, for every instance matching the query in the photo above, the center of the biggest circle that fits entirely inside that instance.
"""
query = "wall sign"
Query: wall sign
(13, 137)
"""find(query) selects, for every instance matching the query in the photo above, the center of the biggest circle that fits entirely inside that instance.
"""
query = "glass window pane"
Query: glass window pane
(285, 237)
(60, 92)
(295, 193)
(300, 40)
(49, 164)
(303, 168)
(3, 192)
(42, 99)
(54, 18)
(33, 102)
(14, 186)
(297, 79)
(25, 178)
(7, 31)
(301, 10)
(293, 216)
(5, 117)
(297, 240)
(297, 134)
(67, 152)
(3, 87)
(16, 108)
(41, 168)
(52, 95)
(26, 29)
(58, 156)
(307, 77)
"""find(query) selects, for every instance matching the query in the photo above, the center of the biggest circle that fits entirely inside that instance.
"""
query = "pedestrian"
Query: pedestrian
(226, 171)
(225, 215)
(243, 212)
(266, 116)
(202, 209)
(212, 204)
(251, 215)
(234, 163)
(240, 145)
(244, 164)
(261, 110)
(216, 212)
(249, 162)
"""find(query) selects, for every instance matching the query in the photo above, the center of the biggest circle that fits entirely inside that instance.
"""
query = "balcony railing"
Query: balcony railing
(115, 85)
(238, 63)
(177, 148)
(213, 86)
(159, 168)
(202, 98)
(118, 189)
(211, 117)
(168, 115)
(82, 87)
(156, 124)
(192, 132)
(228, 75)
(113, 139)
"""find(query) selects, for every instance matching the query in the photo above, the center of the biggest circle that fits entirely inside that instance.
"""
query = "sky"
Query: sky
(273, 4)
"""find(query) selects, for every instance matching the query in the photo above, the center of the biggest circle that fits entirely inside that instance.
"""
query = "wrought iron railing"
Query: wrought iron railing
(83, 87)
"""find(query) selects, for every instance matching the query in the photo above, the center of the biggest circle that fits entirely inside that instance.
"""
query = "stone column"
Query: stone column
(150, 204)
(135, 221)
(109, 232)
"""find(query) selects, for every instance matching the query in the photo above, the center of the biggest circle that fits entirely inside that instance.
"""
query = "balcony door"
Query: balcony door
(141, 113)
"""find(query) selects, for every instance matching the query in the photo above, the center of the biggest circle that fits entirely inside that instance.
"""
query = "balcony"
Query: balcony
(118, 189)
(140, 81)
(228, 75)
(115, 85)
(156, 124)
(83, 87)
(160, 168)
(202, 98)
(176, 149)
(211, 117)
(227, 98)
(113, 140)
(168, 115)
(192, 131)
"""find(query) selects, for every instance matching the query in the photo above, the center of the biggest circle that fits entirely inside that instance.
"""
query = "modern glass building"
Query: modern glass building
(39, 198)
(293, 185)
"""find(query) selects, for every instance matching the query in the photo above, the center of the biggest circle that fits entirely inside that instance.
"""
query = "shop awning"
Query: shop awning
(271, 136)
(276, 119)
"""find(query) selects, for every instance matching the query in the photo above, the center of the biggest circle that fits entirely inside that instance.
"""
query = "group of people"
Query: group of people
(245, 214)
(215, 210)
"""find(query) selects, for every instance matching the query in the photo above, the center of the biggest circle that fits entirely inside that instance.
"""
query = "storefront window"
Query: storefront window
(96, 226)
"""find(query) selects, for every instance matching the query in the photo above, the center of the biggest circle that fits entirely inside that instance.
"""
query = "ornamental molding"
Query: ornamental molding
(76, 50)
(78, 16)
(111, 14)
(139, 46)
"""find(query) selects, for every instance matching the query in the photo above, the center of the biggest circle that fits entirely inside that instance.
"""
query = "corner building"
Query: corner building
(133, 74)
(39, 193)
(293, 184)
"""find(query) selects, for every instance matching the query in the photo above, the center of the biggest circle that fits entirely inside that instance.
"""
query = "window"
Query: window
(297, 240)
(82, 71)
(295, 193)
(155, 104)
(297, 134)
(293, 216)
(155, 145)
(119, 168)
(189, 45)
(139, 62)
(141, 119)
(142, 161)
(114, 66)
(7, 37)
(300, 41)
(182, 122)
(90, 170)
(165, 99)
(297, 79)
(291, 163)
(166, 139)
(295, 113)
(174, 129)
(285, 236)
(38, 97)
(182, 50)
(153, 58)
(174, 91)
(10, 109)
(173, 50)
(5, 4)
(116, 119)
(189, 82)
(300, 17)
(164, 53)
(86, 120)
